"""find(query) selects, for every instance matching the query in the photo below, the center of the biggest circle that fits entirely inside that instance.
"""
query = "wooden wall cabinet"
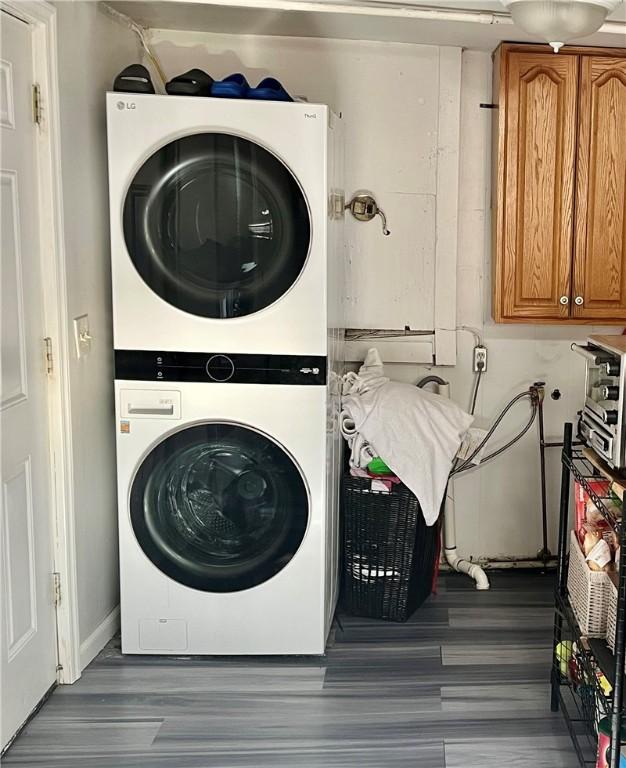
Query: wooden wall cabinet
(559, 218)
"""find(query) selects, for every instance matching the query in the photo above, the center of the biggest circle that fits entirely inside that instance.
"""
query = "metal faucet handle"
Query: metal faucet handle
(381, 213)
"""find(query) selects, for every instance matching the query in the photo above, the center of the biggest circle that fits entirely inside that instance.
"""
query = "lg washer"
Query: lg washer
(228, 486)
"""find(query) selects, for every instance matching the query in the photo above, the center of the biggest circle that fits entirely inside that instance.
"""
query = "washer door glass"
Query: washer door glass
(219, 507)
(216, 225)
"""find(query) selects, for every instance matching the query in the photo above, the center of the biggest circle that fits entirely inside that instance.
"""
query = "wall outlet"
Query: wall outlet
(480, 359)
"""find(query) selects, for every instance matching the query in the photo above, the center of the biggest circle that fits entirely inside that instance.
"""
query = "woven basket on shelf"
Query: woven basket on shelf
(611, 617)
(588, 592)
(389, 553)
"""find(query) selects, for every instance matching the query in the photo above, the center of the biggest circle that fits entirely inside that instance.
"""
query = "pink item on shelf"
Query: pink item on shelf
(581, 499)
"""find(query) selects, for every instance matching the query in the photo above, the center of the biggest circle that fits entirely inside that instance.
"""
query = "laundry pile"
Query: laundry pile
(417, 434)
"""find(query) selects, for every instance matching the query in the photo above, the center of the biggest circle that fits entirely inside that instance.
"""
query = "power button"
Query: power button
(220, 368)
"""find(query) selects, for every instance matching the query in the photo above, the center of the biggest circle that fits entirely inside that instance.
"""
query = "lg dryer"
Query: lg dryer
(224, 224)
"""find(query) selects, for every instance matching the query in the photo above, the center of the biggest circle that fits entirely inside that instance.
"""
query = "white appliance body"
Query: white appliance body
(161, 308)
(290, 612)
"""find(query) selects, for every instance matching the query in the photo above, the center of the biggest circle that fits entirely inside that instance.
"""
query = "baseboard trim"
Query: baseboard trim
(101, 635)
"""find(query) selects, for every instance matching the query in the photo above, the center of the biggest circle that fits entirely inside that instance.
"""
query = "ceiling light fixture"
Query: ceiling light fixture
(558, 21)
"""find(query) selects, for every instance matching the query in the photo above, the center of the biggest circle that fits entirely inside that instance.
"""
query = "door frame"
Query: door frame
(41, 16)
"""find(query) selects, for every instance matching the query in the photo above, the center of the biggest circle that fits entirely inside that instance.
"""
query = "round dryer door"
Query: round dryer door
(219, 507)
(216, 225)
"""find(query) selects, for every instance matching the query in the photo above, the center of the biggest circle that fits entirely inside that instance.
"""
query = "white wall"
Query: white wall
(388, 94)
(92, 49)
(498, 506)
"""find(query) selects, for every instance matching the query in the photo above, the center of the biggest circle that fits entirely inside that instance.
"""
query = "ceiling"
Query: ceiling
(404, 21)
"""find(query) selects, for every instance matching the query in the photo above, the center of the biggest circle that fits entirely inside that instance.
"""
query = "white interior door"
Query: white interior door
(28, 625)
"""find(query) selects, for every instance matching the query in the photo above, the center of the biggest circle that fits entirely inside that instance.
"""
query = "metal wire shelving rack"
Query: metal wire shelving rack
(597, 690)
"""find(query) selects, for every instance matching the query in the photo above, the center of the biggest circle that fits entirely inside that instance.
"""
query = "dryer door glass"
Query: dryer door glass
(219, 507)
(216, 225)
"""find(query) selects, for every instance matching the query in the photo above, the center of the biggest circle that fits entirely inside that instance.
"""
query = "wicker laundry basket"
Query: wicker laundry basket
(389, 553)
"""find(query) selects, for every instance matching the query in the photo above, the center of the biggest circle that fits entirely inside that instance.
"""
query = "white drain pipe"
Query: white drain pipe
(449, 530)
(449, 517)
(449, 545)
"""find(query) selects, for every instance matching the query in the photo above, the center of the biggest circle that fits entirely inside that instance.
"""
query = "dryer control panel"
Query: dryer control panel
(218, 367)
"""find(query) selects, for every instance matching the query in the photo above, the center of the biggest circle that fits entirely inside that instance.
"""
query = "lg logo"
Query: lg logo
(126, 105)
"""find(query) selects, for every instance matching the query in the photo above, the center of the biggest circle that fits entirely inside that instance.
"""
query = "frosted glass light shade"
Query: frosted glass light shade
(558, 21)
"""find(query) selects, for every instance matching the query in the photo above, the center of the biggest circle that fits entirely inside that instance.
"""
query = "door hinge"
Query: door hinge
(49, 356)
(56, 577)
(36, 104)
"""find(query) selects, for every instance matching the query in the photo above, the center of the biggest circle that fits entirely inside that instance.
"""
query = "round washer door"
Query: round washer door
(216, 225)
(219, 507)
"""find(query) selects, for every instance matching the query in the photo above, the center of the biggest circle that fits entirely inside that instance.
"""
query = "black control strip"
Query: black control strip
(141, 365)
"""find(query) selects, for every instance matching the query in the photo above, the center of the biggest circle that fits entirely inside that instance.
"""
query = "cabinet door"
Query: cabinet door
(536, 158)
(600, 250)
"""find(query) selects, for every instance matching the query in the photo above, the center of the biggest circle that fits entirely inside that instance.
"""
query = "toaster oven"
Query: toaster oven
(602, 424)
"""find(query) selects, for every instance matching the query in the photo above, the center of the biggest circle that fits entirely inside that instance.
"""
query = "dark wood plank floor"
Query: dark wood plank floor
(462, 685)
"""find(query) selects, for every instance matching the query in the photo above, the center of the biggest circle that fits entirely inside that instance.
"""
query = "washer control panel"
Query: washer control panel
(219, 367)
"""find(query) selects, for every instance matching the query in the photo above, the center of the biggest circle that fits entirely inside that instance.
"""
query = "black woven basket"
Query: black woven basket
(389, 552)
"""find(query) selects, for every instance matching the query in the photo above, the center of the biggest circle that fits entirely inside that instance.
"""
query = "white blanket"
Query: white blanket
(416, 433)
(361, 452)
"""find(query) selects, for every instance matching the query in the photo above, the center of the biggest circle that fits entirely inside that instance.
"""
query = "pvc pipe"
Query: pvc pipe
(406, 9)
(444, 390)
(449, 548)
(455, 562)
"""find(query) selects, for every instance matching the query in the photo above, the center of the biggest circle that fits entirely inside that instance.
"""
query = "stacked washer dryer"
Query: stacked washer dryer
(228, 327)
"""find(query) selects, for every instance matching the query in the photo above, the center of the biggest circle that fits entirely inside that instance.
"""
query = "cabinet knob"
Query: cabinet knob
(564, 300)
(578, 300)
